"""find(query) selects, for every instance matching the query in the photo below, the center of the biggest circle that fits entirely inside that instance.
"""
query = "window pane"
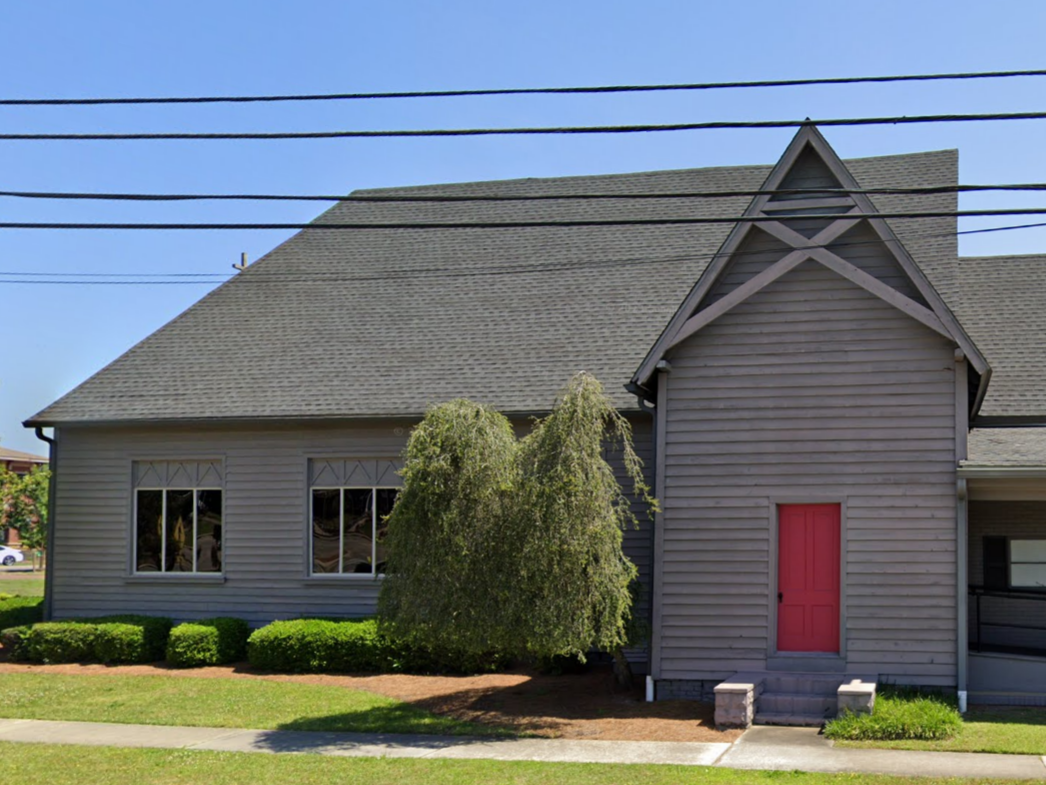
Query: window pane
(208, 531)
(359, 531)
(149, 531)
(1028, 551)
(1028, 575)
(326, 514)
(995, 563)
(179, 531)
(386, 499)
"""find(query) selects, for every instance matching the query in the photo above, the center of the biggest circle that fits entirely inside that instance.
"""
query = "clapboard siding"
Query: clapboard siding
(829, 396)
(863, 248)
(808, 171)
(758, 252)
(265, 533)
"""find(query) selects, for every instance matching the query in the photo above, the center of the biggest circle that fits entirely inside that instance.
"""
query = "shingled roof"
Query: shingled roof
(1002, 305)
(17, 455)
(385, 322)
(998, 448)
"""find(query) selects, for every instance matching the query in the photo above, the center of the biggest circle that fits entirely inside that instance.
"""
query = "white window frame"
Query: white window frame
(340, 574)
(1010, 563)
(163, 534)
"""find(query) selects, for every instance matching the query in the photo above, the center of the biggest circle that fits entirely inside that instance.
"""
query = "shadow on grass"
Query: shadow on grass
(399, 719)
(378, 744)
(401, 727)
(1007, 715)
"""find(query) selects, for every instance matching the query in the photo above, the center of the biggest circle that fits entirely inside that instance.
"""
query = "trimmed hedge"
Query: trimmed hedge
(155, 630)
(208, 642)
(317, 645)
(16, 611)
(325, 645)
(120, 642)
(61, 641)
(109, 639)
(15, 643)
(296, 646)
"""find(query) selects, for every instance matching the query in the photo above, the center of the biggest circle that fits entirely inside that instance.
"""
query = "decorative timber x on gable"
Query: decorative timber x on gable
(809, 162)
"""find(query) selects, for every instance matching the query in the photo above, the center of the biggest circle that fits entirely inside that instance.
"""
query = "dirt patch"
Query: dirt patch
(584, 706)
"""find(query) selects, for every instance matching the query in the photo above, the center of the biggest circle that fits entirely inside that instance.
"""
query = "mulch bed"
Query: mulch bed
(582, 706)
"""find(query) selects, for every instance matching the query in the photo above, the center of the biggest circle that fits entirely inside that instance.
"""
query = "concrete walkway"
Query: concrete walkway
(788, 749)
(390, 745)
(770, 748)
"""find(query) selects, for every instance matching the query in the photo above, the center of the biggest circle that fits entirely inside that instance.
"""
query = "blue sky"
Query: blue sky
(56, 336)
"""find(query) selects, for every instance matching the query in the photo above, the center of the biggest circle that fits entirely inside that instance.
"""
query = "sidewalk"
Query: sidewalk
(787, 749)
(768, 748)
(389, 745)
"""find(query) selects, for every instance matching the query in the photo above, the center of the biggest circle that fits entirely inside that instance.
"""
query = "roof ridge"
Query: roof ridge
(7, 453)
(1004, 256)
(611, 176)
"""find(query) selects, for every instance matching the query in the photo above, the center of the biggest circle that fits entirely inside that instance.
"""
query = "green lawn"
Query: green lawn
(1012, 730)
(218, 703)
(49, 764)
(25, 587)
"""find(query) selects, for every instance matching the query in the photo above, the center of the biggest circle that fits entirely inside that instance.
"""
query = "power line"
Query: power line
(453, 198)
(1003, 228)
(427, 225)
(119, 275)
(429, 273)
(647, 88)
(529, 131)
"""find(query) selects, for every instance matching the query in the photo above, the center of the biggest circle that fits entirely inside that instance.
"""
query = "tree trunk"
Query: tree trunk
(622, 670)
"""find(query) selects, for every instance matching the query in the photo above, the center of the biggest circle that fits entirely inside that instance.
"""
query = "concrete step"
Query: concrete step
(795, 720)
(805, 684)
(809, 664)
(796, 703)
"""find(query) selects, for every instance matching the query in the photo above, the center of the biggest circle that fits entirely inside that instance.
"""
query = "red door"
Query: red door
(808, 577)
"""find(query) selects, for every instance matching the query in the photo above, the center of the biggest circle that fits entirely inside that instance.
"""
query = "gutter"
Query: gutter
(288, 420)
(643, 396)
(1001, 472)
(51, 486)
(982, 391)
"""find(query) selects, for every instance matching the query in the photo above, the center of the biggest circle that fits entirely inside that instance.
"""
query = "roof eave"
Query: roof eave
(1001, 472)
(289, 419)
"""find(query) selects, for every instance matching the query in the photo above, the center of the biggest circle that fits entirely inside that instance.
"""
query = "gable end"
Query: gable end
(787, 229)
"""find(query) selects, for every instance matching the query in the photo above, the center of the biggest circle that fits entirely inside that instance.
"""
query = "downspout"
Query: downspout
(49, 564)
(962, 588)
(962, 541)
(644, 406)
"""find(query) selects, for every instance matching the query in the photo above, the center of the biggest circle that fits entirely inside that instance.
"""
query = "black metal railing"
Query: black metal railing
(1000, 606)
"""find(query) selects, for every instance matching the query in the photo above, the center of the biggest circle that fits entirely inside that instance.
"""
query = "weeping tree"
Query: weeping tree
(576, 588)
(443, 583)
(515, 546)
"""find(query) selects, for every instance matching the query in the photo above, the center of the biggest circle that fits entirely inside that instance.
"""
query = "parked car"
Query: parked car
(9, 556)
